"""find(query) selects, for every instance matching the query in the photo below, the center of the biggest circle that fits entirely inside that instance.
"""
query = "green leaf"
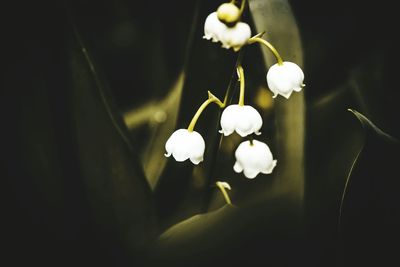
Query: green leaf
(120, 199)
(276, 18)
(199, 234)
(369, 210)
(161, 117)
(251, 234)
(195, 227)
(77, 192)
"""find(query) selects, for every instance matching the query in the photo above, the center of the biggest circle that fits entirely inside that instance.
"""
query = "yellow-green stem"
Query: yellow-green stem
(241, 79)
(251, 138)
(257, 39)
(211, 99)
(242, 6)
(224, 193)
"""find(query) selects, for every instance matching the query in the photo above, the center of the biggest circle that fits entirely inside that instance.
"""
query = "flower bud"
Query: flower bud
(228, 13)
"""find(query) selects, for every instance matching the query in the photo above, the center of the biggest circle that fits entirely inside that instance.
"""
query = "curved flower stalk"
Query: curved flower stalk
(224, 26)
(242, 119)
(284, 77)
(186, 144)
(253, 157)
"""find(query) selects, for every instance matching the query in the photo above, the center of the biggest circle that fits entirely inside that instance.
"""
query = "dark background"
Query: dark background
(74, 191)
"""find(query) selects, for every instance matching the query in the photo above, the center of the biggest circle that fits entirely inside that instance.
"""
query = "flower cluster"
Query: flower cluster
(224, 26)
(252, 156)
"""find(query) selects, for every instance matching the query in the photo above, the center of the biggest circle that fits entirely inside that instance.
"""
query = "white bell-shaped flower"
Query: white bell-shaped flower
(231, 37)
(235, 36)
(213, 28)
(184, 145)
(244, 120)
(253, 158)
(284, 79)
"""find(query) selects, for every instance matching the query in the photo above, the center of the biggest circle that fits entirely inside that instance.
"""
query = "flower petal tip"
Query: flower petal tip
(237, 168)
(196, 161)
(271, 168)
(250, 175)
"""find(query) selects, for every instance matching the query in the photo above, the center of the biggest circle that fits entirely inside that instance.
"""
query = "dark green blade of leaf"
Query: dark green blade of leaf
(160, 118)
(77, 194)
(160, 115)
(334, 140)
(201, 234)
(119, 196)
(370, 213)
(194, 227)
(232, 236)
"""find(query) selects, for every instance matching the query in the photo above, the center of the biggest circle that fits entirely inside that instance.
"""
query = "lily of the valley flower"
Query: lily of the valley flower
(243, 119)
(213, 28)
(285, 78)
(253, 157)
(186, 144)
(183, 145)
(235, 37)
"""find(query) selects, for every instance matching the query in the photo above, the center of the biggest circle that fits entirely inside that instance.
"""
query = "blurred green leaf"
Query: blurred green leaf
(201, 234)
(77, 192)
(196, 227)
(333, 141)
(231, 236)
(276, 18)
(120, 198)
(370, 214)
(161, 117)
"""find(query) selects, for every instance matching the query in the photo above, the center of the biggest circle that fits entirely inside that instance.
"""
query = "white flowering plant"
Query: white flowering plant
(241, 152)
(173, 133)
(252, 157)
